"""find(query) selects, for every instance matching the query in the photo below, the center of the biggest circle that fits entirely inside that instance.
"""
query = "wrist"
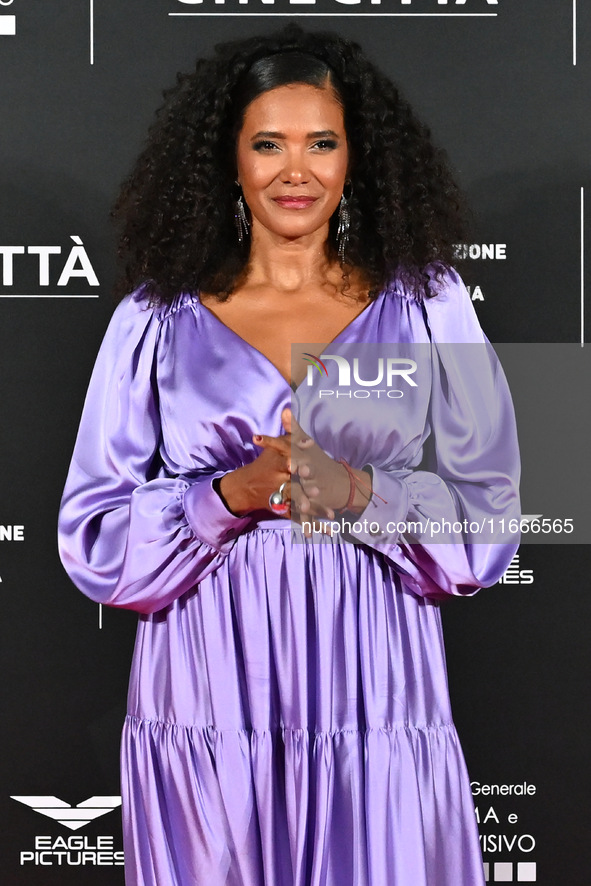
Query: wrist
(233, 494)
(363, 491)
(360, 489)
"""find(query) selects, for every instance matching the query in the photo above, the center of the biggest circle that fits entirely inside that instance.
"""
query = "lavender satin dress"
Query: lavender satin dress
(288, 721)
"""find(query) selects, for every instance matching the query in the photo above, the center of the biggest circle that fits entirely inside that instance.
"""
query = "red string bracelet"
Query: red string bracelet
(353, 481)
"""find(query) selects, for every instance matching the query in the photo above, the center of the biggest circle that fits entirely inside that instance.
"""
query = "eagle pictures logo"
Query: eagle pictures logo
(72, 850)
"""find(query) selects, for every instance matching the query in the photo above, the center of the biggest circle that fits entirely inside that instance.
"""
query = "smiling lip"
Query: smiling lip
(294, 202)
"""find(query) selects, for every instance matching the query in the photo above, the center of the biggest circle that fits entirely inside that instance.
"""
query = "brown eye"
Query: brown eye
(265, 146)
(327, 144)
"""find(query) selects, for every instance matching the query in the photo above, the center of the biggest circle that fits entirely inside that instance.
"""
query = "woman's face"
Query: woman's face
(292, 159)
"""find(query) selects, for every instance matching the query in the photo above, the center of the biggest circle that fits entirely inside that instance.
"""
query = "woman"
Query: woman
(288, 720)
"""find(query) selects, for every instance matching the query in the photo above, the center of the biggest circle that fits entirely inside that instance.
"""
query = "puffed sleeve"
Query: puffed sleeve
(129, 535)
(451, 525)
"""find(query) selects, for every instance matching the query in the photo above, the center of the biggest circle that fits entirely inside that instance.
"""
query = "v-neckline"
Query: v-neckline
(256, 350)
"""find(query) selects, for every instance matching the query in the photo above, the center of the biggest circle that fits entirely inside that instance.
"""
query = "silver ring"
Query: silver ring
(276, 502)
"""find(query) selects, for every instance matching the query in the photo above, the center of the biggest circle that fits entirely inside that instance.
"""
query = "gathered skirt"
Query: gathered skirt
(289, 724)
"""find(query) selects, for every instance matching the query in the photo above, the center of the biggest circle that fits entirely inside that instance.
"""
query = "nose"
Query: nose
(295, 170)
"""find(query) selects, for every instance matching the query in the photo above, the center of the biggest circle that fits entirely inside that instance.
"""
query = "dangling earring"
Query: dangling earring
(240, 219)
(344, 223)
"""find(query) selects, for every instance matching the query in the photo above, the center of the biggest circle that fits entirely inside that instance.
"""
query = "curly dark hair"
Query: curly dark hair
(176, 209)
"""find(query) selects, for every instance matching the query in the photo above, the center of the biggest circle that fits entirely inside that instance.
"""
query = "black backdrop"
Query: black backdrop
(78, 87)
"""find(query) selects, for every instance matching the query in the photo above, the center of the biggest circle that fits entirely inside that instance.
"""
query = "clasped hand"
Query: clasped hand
(316, 486)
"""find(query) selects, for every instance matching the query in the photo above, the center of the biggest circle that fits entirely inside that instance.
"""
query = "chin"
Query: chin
(292, 229)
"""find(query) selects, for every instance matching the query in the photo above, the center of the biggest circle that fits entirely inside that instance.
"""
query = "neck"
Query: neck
(289, 265)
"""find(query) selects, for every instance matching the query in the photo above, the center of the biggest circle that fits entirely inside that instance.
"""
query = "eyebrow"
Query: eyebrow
(324, 133)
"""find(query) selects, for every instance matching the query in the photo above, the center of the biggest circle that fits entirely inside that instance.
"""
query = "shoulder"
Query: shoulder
(136, 337)
(449, 312)
(444, 283)
(183, 302)
(446, 286)
(138, 310)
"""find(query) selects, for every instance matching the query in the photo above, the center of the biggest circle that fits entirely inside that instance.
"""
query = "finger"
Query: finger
(309, 481)
(311, 490)
(299, 500)
(286, 420)
(304, 471)
(304, 506)
(279, 444)
(292, 427)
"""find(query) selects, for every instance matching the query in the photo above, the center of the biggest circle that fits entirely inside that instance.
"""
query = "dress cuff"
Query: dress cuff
(382, 521)
(208, 516)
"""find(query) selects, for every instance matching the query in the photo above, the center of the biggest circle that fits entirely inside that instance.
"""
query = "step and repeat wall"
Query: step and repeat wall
(506, 89)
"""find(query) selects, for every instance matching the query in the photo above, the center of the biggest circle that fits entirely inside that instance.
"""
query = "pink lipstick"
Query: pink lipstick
(294, 202)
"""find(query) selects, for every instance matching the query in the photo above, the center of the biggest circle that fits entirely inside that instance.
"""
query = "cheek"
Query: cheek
(256, 175)
(259, 173)
(335, 176)
(334, 170)
(255, 170)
